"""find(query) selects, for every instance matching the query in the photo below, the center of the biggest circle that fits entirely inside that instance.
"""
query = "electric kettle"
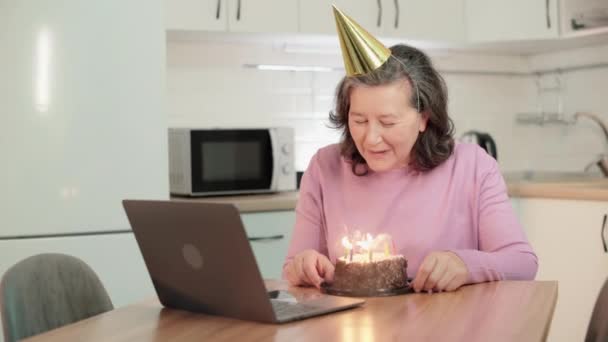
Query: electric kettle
(482, 139)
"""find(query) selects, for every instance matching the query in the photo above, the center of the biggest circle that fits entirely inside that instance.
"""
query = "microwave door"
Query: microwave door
(231, 161)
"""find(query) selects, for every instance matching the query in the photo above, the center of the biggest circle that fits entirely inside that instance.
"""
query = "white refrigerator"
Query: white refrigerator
(83, 125)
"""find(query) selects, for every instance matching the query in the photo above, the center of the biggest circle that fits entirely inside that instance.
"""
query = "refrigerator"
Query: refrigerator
(83, 126)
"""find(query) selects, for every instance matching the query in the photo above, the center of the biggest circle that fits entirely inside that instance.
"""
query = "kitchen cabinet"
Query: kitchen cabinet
(204, 15)
(429, 20)
(566, 236)
(263, 15)
(509, 20)
(269, 234)
(317, 16)
(401, 19)
(232, 15)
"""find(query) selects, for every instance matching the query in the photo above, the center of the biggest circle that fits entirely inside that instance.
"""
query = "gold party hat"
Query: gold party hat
(362, 52)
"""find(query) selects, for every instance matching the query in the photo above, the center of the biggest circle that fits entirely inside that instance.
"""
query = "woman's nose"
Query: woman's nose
(373, 135)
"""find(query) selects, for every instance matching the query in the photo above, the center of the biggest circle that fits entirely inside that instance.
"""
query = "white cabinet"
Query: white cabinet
(566, 236)
(435, 20)
(269, 234)
(263, 15)
(428, 20)
(205, 15)
(317, 16)
(232, 15)
(504, 20)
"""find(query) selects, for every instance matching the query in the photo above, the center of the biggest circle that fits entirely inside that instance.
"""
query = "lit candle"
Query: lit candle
(348, 248)
(386, 251)
(366, 245)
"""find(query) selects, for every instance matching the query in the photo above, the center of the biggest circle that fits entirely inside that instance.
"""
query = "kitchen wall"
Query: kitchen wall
(210, 87)
(570, 147)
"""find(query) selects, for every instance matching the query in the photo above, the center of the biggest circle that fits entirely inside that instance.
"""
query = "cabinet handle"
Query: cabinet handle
(219, 6)
(396, 13)
(267, 238)
(379, 21)
(604, 228)
(238, 10)
(547, 12)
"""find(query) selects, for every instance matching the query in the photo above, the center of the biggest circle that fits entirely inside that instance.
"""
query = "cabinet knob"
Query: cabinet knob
(286, 169)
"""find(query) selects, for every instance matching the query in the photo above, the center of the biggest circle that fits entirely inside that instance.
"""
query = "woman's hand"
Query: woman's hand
(309, 268)
(441, 271)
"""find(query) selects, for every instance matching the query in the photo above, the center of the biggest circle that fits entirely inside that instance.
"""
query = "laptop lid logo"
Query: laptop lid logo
(193, 256)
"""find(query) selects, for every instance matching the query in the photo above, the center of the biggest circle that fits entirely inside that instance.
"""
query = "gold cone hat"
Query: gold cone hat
(362, 52)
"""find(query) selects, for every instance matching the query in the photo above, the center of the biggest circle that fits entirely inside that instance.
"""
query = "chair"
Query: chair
(47, 291)
(598, 325)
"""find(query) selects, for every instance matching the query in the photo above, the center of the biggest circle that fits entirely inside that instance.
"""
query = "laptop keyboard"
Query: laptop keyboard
(286, 309)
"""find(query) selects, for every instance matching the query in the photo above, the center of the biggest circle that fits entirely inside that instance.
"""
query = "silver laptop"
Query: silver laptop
(199, 259)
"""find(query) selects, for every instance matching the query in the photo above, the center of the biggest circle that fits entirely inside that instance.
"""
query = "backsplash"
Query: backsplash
(209, 87)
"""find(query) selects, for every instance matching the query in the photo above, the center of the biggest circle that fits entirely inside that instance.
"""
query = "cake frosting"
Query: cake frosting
(369, 273)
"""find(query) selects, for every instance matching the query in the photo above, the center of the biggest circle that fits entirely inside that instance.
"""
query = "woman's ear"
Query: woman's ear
(424, 119)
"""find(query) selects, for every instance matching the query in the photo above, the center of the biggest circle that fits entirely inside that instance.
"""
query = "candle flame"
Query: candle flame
(367, 243)
(346, 243)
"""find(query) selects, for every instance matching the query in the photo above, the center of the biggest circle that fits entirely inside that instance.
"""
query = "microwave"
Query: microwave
(208, 162)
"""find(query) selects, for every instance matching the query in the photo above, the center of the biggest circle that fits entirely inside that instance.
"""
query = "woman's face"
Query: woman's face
(384, 125)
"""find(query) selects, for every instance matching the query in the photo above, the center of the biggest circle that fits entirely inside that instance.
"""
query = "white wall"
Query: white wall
(583, 90)
(208, 86)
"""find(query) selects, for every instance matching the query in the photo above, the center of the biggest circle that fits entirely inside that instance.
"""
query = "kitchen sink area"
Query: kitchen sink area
(557, 185)
(554, 176)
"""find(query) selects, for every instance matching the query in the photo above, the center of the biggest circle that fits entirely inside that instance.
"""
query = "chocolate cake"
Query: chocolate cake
(359, 276)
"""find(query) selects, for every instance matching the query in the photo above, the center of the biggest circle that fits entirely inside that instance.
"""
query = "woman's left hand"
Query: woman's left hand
(441, 271)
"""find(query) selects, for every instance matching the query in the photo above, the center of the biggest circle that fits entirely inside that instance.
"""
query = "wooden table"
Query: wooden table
(497, 311)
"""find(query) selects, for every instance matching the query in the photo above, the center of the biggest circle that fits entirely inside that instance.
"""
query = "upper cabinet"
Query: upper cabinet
(232, 15)
(205, 15)
(317, 16)
(501, 20)
(440, 21)
(401, 19)
(430, 20)
(262, 15)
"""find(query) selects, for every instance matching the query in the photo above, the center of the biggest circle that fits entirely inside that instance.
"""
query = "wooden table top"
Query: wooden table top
(496, 311)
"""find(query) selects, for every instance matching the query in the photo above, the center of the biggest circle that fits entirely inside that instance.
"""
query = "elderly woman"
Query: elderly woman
(398, 171)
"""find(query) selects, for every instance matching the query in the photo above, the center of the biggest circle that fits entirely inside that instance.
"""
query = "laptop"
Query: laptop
(199, 259)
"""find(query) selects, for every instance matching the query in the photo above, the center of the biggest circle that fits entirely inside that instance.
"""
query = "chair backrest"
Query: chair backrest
(598, 325)
(47, 291)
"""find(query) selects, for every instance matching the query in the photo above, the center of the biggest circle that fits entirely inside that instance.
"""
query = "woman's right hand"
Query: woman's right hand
(309, 268)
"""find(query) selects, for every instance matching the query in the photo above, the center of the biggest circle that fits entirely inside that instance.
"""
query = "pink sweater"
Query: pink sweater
(460, 206)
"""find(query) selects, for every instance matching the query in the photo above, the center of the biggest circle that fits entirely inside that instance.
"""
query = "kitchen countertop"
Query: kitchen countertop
(253, 203)
(591, 189)
(555, 185)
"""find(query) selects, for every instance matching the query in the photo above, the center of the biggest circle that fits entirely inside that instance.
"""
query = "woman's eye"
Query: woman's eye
(360, 122)
(388, 124)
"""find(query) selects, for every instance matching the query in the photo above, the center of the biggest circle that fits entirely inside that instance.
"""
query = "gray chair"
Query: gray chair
(47, 291)
(598, 325)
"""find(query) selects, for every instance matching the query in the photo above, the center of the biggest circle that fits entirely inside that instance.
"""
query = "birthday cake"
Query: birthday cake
(360, 276)
(366, 271)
